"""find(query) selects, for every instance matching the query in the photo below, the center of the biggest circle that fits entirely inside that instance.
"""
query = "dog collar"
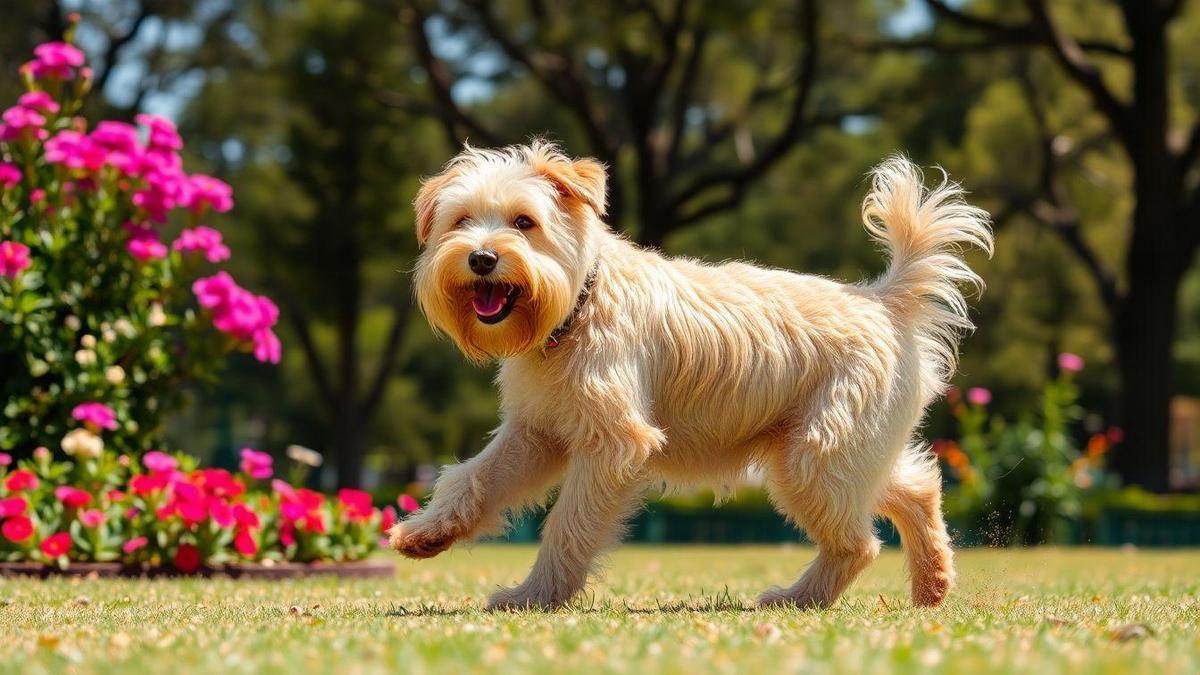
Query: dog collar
(553, 339)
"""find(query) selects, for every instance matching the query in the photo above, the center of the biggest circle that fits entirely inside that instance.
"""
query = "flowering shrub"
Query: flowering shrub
(101, 319)
(165, 512)
(1023, 482)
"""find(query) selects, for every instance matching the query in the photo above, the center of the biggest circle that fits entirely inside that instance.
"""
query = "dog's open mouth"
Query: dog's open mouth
(494, 301)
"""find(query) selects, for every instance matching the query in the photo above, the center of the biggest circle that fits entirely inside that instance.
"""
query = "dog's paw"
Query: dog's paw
(415, 540)
(520, 598)
(929, 590)
(787, 597)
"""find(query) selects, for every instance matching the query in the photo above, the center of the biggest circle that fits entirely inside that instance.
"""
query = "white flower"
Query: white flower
(85, 357)
(109, 335)
(39, 368)
(73, 322)
(157, 316)
(83, 444)
(114, 374)
(125, 328)
(88, 341)
(303, 455)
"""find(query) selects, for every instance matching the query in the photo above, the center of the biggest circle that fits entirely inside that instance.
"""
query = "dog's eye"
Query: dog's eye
(524, 222)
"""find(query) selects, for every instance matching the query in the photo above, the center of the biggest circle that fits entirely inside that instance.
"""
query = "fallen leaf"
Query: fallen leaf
(1131, 631)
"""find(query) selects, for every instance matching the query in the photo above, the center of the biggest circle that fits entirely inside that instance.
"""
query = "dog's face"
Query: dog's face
(509, 239)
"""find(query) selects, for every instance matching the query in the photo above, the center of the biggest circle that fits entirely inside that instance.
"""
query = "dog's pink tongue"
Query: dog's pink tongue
(489, 300)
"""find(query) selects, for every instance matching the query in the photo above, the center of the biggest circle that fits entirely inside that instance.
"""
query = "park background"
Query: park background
(731, 130)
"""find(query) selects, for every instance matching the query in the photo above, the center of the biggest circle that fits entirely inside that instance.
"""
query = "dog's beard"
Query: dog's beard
(500, 317)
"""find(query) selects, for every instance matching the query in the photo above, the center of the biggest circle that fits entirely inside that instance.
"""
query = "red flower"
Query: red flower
(144, 484)
(388, 520)
(92, 517)
(407, 503)
(13, 506)
(245, 517)
(21, 479)
(312, 522)
(220, 513)
(187, 558)
(56, 545)
(287, 533)
(73, 498)
(17, 528)
(357, 504)
(115, 495)
(245, 544)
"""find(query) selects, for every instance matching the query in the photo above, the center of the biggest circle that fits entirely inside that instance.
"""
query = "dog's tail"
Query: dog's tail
(925, 232)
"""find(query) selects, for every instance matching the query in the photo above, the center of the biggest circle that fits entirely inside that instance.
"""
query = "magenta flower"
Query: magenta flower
(95, 414)
(209, 192)
(117, 137)
(39, 101)
(159, 462)
(144, 243)
(22, 123)
(92, 517)
(240, 313)
(14, 259)
(256, 464)
(163, 191)
(134, 544)
(1071, 363)
(205, 240)
(74, 151)
(12, 506)
(979, 396)
(163, 135)
(5, 459)
(10, 174)
(407, 503)
(56, 60)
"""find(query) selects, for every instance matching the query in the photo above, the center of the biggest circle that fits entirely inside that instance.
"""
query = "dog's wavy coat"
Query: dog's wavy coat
(621, 369)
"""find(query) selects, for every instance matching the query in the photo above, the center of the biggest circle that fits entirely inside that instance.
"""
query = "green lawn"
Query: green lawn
(659, 609)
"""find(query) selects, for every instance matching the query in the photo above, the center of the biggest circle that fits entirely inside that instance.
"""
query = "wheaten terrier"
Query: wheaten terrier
(622, 369)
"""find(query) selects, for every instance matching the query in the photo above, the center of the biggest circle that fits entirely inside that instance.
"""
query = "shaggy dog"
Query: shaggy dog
(621, 369)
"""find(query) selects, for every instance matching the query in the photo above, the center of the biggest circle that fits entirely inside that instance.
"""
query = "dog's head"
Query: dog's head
(509, 239)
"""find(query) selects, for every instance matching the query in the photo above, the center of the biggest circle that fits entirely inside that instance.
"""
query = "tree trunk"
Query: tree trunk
(350, 448)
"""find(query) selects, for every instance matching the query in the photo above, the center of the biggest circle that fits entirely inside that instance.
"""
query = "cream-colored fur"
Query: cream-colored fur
(678, 371)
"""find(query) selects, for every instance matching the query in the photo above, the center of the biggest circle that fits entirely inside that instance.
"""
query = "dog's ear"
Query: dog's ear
(426, 203)
(583, 179)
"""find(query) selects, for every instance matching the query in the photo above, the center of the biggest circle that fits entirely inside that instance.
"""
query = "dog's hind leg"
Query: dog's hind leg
(912, 500)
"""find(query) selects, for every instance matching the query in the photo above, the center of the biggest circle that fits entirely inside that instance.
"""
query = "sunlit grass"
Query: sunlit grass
(658, 609)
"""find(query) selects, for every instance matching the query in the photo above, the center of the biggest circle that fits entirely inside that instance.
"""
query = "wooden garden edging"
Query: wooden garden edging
(362, 569)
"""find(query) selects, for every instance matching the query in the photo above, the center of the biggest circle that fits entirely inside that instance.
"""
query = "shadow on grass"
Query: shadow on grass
(720, 603)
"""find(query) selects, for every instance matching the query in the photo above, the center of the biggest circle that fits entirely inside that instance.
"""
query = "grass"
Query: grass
(658, 609)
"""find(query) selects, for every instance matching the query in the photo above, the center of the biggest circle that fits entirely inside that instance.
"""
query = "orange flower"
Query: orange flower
(1097, 445)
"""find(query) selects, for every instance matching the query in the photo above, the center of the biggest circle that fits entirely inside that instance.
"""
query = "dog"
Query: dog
(621, 369)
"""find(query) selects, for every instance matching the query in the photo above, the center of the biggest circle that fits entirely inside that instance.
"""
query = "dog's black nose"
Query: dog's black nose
(482, 262)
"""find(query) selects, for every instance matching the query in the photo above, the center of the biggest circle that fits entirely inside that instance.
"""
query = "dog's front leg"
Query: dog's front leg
(470, 499)
(596, 499)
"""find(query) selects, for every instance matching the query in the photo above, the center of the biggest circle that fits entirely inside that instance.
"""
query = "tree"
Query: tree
(1142, 119)
(325, 180)
(674, 96)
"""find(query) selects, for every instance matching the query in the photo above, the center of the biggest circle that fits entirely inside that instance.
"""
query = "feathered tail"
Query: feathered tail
(925, 232)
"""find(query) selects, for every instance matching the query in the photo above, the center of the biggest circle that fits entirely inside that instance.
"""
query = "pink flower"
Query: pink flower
(256, 464)
(5, 459)
(144, 243)
(13, 506)
(209, 192)
(145, 484)
(39, 101)
(56, 60)
(163, 135)
(10, 174)
(1071, 363)
(388, 518)
(95, 415)
(187, 558)
(56, 545)
(407, 503)
(22, 123)
(245, 544)
(240, 313)
(220, 513)
(17, 529)
(205, 240)
(37, 196)
(159, 462)
(162, 192)
(245, 517)
(92, 518)
(979, 396)
(117, 137)
(74, 151)
(20, 480)
(134, 544)
(72, 498)
(14, 259)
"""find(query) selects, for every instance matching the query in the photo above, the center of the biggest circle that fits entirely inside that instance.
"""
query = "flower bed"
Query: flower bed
(163, 515)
